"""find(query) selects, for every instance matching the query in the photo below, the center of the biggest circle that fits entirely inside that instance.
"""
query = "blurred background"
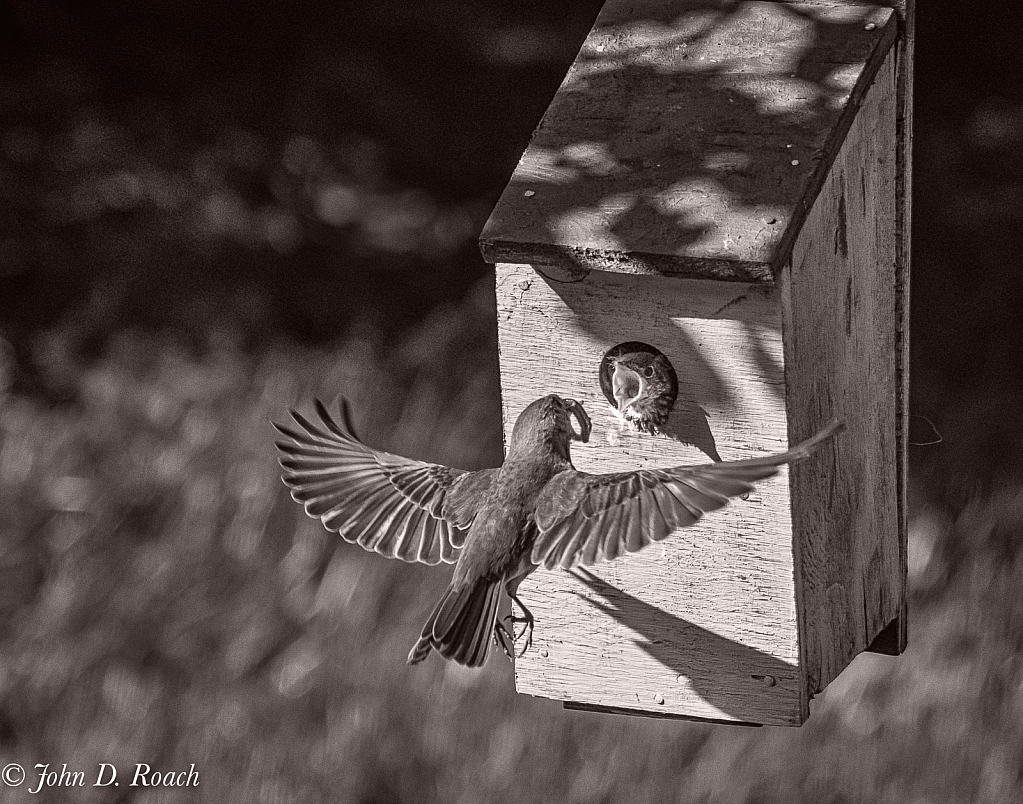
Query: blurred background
(208, 212)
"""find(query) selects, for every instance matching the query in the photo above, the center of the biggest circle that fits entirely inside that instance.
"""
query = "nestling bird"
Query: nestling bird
(644, 387)
(498, 525)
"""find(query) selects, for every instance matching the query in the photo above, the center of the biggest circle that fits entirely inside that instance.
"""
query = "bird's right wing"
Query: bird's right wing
(585, 518)
(398, 507)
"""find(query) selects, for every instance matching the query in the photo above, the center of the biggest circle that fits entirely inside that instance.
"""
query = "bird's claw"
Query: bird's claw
(526, 632)
(503, 638)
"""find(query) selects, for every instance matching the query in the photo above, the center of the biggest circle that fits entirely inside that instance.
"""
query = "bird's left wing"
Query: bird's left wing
(585, 518)
(398, 507)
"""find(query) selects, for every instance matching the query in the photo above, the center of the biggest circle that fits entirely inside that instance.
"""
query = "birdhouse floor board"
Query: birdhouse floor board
(690, 138)
(617, 710)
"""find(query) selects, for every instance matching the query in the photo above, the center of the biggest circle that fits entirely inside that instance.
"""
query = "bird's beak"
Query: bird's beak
(585, 425)
(627, 386)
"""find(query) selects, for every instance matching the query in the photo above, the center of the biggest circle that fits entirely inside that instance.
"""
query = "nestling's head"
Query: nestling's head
(549, 420)
(644, 387)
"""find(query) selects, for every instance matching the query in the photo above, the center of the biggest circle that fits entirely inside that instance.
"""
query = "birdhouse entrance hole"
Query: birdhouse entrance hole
(638, 380)
(725, 186)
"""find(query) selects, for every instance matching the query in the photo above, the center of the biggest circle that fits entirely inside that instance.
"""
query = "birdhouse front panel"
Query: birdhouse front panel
(704, 623)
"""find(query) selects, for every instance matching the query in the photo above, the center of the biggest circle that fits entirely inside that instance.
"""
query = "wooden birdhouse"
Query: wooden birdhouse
(726, 183)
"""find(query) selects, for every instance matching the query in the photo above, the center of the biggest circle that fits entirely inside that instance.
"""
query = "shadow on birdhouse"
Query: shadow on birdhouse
(708, 237)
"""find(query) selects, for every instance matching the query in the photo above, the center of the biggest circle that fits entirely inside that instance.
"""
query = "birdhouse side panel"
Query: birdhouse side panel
(841, 304)
(702, 624)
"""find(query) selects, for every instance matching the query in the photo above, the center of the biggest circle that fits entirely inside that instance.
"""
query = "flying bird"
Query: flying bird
(498, 525)
(644, 387)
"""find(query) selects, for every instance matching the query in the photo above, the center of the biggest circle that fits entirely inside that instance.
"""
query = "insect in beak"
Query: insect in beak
(585, 425)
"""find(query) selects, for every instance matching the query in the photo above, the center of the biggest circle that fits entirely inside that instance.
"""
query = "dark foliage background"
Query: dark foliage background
(209, 211)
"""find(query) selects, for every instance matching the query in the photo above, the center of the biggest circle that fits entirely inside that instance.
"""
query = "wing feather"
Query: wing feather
(398, 507)
(400, 530)
(583, 518)
(594, 548)
(639, 530)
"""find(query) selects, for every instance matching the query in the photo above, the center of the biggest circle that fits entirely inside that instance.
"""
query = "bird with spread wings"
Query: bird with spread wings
(499, 525)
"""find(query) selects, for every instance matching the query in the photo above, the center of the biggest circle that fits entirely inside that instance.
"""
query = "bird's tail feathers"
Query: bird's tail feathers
(460, 626)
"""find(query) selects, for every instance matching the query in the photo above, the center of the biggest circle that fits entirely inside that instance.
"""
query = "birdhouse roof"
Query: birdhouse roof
(690, 137)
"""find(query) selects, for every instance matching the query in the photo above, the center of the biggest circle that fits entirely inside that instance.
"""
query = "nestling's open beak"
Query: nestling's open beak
(627, 386)
(585, 425)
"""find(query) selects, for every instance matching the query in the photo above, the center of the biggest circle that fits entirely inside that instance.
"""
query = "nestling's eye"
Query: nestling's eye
(648, 372)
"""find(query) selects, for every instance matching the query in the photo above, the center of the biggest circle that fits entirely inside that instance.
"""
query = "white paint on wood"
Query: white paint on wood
(705, 620)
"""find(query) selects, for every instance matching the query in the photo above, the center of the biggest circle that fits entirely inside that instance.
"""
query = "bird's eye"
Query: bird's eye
(648, 372)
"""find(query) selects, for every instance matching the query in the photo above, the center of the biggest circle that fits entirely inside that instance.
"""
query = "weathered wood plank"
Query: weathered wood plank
(690, 137)
(894, 639)
(903, 229)
(703, 624)
(840, 301)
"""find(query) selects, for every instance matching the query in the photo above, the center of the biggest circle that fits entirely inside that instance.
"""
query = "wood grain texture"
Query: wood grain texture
(896, 637)
(703, 624)
(690, 137)
(903, 234)
(840, 306)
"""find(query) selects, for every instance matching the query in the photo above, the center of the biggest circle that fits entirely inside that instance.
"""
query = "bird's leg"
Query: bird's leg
(527, 618)
(527, 615)
(511, 586)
